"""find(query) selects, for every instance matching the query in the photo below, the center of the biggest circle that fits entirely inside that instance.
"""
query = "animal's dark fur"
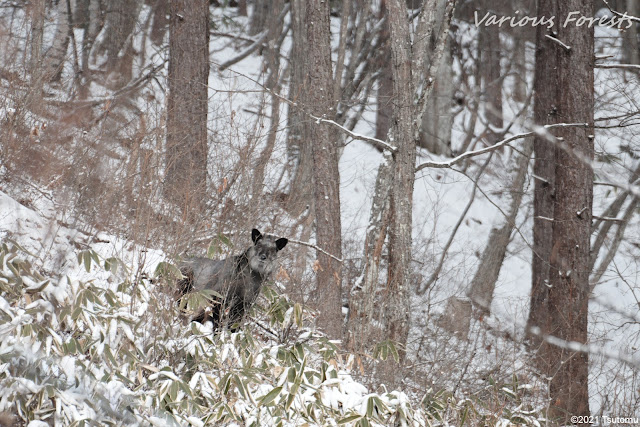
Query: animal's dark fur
(238, 279)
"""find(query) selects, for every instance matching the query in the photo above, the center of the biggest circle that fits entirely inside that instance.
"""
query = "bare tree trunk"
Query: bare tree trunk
(89, 20)
(299, 154)
(385, 82)
(57, 53)
(489, 42)
(402, 130)
(186, 150)
(116, 44)
(272, 57)
(435, 134)
(569, 271)
(259, 17)
(318, 99)
(160, 21)
(435, 130)
(545, 88)
(519, 55)
(484, 281)
(242, 7)
(37, 12)
(364, 295)
(630, 44)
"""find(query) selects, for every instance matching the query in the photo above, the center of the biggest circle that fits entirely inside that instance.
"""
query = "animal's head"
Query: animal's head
(262, 255)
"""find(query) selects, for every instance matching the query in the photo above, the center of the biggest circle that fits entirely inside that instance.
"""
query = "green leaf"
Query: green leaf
(111, 264)
(86, 256)
(168, 270)
(349, 419)
(269, 397)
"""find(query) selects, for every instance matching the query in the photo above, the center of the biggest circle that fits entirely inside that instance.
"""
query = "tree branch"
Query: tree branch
(316, 247)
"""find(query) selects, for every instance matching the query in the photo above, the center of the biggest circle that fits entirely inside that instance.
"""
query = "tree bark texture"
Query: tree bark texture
(435, 130)
(569, 261)
(364, 295)
(318, 100)
(37, 12)
(160, 21)
(299, 155)
(385, 82)
(56, 54)
(544, 112)
(186, 149)
(489, 43)
(632, 51)
(402, 131)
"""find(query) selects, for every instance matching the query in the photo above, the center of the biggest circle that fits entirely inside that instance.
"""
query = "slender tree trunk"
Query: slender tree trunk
(435, 134)
(272, 56)
(37, 12)
(186, 150)
(489, 41)
(160, 21)
(435, 130)
(318, 99)
(363, 298)
(259, 16)
(385, 82)
(299, 155)
(569, 271)
(57, 53)
(519, 55)
(544, 112)
(116, 46)
(402, 130)
(242, 7)
(632, 51)
(484, 281)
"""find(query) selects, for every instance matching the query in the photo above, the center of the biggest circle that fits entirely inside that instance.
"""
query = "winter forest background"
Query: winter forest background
(461, 199)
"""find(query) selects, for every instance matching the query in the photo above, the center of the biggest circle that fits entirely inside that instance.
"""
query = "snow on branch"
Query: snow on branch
(627, 66)
(455, 160)
(622, 15)
(566, 46)
(375, 141)
(540, 130)
(316, 247)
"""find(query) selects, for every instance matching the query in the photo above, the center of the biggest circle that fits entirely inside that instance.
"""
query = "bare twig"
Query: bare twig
(624, 66)
(615, 12)
(497, 145)
(316, 247)
(248, 51)
(438, 269)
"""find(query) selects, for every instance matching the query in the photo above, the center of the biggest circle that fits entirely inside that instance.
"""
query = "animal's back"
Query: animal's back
(203, 273)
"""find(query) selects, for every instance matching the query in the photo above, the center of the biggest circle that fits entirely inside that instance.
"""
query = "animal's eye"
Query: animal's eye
(263, 257)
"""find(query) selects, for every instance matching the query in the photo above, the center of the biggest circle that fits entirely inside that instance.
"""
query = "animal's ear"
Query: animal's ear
(281, 243)
(255, 235)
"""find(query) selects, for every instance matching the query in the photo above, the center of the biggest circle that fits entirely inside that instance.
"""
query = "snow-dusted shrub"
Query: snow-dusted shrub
(119, 353)
(111, 352)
